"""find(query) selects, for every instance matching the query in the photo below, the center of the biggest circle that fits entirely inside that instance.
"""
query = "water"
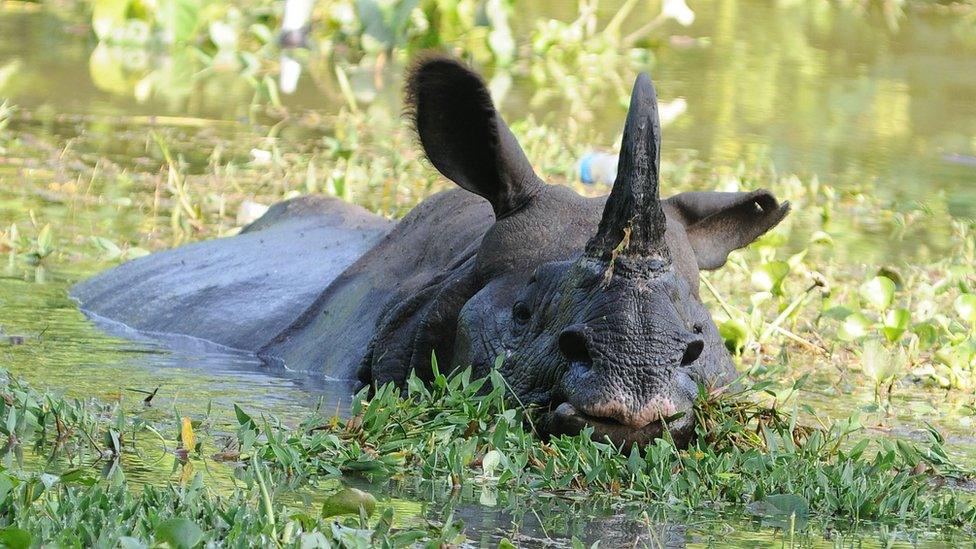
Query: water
(818, 89)
(812, 87)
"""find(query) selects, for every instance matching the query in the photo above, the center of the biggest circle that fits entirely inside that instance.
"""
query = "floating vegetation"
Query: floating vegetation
(748, 456)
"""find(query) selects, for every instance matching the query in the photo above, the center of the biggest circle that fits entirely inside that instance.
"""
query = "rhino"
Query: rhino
(588, 306)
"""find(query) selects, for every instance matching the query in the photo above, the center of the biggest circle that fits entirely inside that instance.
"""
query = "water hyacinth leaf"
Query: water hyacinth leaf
(11, 423)
(136, 252)
(77, 476)
(879, 363)
(821, 237)
(896, 323)
(15, 538)
(735, 334)
(109, 249)
(785, 511)
(49, 480)
(769, 277)
(788, 504)
(490, 462)
(107, 16)
(314, 540)
(178, 19)
(6, 485)
(879, 292)
(965, 306)
(855, 326)
(348, 501)
(105, 70)
(179, 533)
(45, 241)
(128, 542)
(837, 313)
(893, 275)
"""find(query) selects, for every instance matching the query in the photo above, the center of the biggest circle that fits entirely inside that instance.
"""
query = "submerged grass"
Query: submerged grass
(747, 457)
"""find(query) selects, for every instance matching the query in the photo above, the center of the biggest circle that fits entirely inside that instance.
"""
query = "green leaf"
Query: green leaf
(179, 533)
(927, 334)
(6, 485)
(129, 542)
(244, 419)
(136, 252)
(881, 364)
(109, 249)
(735, 333)
(15, 538)
(879, 292)
(965, 306)
(78, 476)
(490, 462)
(769, 277)
(348, 502)
(178, 18)
(855, 326)
(787, 504)
(108, 16)
(45, 241)
(223, 35)
(895, 323)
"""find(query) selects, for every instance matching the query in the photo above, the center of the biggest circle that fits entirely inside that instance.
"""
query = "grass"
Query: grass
(748, 456)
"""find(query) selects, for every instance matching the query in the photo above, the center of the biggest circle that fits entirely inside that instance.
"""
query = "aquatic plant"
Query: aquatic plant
(748, 456)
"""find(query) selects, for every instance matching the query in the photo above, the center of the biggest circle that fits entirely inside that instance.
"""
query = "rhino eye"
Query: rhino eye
(521, 312)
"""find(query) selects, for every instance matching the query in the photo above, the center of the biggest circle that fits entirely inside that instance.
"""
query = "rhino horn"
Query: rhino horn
(633, 221)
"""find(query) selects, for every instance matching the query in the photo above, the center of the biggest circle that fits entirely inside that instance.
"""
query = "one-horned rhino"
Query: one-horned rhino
(592, 303)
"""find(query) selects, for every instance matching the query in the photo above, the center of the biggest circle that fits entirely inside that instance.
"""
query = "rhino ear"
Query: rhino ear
(718, 223)
(464, 136)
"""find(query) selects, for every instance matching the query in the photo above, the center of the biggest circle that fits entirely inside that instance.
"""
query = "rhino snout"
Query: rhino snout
(567, 420)
(575, 347)
(627, 401)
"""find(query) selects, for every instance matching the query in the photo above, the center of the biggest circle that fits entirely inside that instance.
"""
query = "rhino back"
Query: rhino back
(239, 291)
(332, 336)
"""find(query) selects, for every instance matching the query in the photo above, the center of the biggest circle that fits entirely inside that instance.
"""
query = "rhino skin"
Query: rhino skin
(592, 304)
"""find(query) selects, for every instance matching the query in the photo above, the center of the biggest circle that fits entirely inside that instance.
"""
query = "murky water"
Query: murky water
(811, 87)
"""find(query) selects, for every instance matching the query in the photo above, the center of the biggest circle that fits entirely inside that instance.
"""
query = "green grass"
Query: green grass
(748, 457)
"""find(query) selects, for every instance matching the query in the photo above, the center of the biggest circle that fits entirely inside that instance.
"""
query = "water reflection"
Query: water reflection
(813, 87)
(64, 352)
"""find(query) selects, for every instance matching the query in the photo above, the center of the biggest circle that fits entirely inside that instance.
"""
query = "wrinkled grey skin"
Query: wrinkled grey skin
(592, 303)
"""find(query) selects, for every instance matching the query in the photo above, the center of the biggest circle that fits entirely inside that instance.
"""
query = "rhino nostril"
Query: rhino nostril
(572, 345)
(692, 351)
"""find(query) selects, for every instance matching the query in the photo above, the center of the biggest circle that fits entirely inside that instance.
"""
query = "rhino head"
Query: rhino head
(592, 303)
